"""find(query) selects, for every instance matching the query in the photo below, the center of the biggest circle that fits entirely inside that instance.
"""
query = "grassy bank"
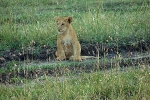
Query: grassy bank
(24, 23)
(132, 84)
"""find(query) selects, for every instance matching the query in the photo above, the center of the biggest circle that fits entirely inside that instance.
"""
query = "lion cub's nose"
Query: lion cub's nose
(59, 30)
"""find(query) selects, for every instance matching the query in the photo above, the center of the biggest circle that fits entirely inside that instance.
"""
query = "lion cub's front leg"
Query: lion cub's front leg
(60, 52)
(77, 51)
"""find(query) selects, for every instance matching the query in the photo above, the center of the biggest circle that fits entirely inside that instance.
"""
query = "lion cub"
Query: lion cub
(68, 45)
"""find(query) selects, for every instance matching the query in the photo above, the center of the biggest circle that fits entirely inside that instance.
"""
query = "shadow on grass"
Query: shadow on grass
(125, 6)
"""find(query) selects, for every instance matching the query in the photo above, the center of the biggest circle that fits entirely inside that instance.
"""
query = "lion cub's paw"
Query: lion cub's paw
(60, 58)
(77, 59)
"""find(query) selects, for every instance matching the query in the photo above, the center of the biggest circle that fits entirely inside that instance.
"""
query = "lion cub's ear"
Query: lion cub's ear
(69, 19)
(56, 18)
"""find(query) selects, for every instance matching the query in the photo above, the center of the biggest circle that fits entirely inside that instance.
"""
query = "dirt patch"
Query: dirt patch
(47, 54)
(134, 55)
(16, 76)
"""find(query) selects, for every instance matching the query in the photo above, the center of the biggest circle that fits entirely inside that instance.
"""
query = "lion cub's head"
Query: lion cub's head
(63, 24)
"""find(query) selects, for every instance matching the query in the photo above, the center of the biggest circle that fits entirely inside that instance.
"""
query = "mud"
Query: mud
(135, 55)
(88, 49)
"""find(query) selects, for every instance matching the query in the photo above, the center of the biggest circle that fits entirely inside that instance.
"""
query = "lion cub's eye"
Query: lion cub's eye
(62, 24)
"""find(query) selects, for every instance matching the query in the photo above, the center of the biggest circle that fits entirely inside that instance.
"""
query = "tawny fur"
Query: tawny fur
(68, 45)
(67, 42)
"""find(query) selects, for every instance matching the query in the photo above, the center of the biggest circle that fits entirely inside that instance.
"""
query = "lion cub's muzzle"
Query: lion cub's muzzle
(60, 31)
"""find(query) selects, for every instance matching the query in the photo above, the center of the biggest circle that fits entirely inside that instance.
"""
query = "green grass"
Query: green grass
(133, 84)
(23, 22)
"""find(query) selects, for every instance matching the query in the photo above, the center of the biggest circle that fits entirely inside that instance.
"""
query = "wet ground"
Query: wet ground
(45, 53)
(129, 55)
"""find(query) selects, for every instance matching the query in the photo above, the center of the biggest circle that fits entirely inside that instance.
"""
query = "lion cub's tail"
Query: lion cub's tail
(88, 57)
(85, 57)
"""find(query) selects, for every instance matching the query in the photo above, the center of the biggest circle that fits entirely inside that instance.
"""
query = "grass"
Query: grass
(132, 84)
(112, 22)
(24, 22)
